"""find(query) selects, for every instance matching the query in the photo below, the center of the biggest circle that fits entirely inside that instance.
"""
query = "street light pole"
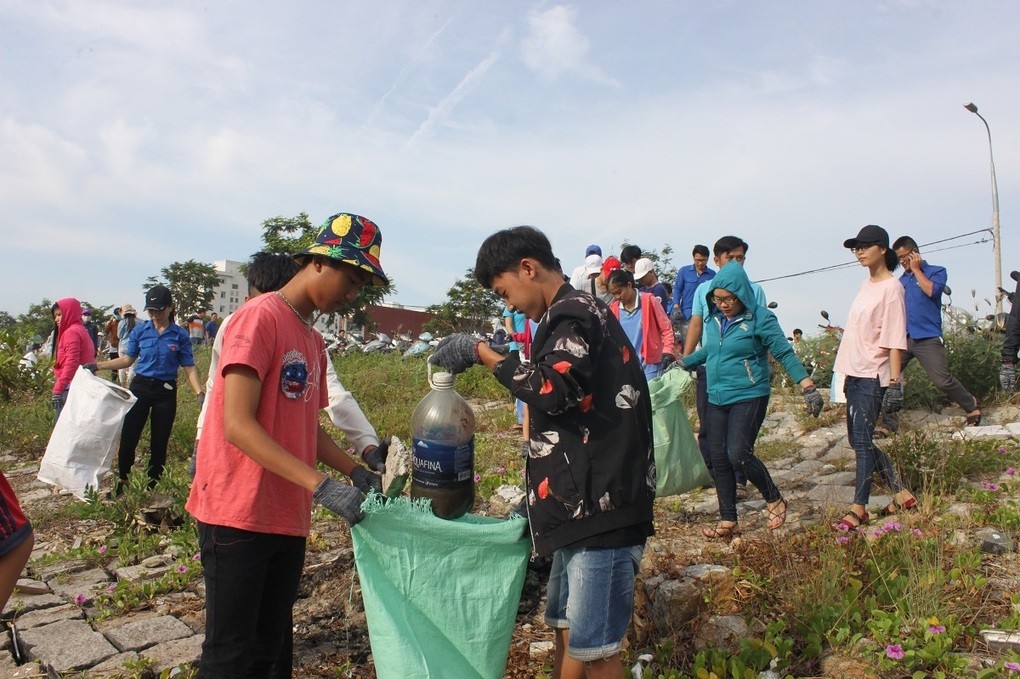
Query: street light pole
(996, 243)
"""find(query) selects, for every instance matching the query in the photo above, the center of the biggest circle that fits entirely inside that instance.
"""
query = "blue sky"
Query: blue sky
(135, 134)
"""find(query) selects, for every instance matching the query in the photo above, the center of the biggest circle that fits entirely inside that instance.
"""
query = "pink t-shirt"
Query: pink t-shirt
(877, 323)
(231, 489)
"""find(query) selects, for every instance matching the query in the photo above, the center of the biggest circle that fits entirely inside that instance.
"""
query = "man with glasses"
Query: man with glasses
(923, 284)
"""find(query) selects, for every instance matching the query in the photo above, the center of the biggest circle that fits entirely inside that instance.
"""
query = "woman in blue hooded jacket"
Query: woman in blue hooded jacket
(737, 338)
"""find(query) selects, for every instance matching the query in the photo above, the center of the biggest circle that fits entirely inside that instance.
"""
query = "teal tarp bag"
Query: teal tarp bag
(440, 596)
(679, 466)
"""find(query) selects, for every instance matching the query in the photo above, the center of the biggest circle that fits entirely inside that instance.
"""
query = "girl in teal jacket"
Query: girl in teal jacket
(737, 338)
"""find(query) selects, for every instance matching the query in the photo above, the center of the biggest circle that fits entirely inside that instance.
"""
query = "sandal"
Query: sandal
(973, 420)
(775, 515)
(721, 532)
(881, 433)
(741, 491)
(894, 506)
(851, 522)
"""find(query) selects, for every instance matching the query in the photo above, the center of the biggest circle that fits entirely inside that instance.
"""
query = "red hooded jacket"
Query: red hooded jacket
(74, 346)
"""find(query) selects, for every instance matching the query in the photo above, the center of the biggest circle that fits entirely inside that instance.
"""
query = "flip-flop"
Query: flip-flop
(741, 491)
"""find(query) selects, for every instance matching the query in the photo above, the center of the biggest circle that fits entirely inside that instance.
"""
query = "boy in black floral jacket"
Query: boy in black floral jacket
(590, 469)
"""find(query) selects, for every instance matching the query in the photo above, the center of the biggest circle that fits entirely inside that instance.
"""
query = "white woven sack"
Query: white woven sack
(85, 437)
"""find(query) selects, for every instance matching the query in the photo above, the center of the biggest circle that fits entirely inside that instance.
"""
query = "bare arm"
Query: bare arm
(121, 362)
(192, 374)
(241, 391)
(331, 455)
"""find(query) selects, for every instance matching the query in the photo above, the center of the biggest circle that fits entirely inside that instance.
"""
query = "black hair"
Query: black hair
(270, 271)
(621, 278)
(503, 251)
(798, 331)
(891, 260)
(728, 244)
(905, 242)
(700, 250)
(630, 254)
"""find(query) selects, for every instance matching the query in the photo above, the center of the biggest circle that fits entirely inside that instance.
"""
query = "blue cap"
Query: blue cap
(593, 250)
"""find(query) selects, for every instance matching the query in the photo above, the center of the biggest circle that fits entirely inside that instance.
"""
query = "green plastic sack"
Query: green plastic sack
(679, 466)
(440, 596)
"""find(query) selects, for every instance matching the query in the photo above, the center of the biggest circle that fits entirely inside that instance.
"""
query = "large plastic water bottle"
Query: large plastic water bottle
(443, 449)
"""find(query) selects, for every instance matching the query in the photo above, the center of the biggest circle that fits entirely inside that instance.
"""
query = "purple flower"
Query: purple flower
(1002, 450)
(501, 470)
(989, 485)
(894, 652)
(892, 527)
(936, 629)
(1013, 667)
(478, 477)
(197, 556)
(1010, 471)
(917, 532)
(182, 569)
(842, 539)
(79, 599)
(102, 549)
(112, 586)
(500, 435)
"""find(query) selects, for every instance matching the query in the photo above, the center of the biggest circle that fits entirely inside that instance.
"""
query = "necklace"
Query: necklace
(293, 308)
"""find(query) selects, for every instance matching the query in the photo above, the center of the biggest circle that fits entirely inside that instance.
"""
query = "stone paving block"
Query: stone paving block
(32, 602)
(992, 431)
(1014, 429)
(170, 654)
(837, 479)
(67, 645)
(140, 572)
(59, 567)
(85, 583)
(110, 667)
(47, 616)
(806, 468)
(831, 495)
(139, 634)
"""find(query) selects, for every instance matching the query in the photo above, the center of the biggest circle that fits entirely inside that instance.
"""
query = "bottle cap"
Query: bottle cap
(442, 380)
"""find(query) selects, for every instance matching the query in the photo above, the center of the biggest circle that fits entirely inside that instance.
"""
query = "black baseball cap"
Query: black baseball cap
(868, 235)
(158, 297)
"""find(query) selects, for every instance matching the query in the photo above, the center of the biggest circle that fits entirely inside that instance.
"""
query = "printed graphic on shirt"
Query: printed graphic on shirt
(294, 374)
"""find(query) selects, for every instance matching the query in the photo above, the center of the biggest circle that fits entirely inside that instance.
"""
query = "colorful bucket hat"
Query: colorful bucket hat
(353, 240)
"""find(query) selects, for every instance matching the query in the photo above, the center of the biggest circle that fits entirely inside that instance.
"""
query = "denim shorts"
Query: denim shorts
(591, 593)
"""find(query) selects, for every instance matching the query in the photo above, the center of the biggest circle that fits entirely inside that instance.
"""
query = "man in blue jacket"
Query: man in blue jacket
(923, 284)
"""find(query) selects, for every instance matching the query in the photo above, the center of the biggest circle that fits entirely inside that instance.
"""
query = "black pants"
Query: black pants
(159, 398)
(251, 583)
(113, 373)
(701, 403)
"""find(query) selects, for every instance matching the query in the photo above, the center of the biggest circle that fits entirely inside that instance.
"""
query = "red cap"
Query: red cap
(610, 265)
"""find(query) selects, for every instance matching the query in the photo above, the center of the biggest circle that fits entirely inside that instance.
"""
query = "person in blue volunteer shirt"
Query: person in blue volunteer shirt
(688, 278)
(158, 348)
(923, 284)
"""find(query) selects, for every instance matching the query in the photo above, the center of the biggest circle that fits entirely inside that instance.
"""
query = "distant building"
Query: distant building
(230, 293)
(394, 319)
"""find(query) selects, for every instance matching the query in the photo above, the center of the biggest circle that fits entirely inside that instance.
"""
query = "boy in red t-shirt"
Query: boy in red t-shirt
(256, 477)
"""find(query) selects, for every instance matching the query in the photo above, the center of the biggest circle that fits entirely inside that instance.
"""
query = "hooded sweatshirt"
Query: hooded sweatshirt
(735, 352)
(74, 346)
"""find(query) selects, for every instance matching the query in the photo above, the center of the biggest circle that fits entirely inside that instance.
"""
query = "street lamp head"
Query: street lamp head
(970, 107)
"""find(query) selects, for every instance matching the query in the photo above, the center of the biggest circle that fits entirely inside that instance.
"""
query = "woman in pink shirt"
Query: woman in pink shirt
(869, 356)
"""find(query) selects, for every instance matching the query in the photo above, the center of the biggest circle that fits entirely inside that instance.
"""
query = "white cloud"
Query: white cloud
(555, 46)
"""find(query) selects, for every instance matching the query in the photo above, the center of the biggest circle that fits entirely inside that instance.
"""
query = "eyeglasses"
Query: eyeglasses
(862, 247)
(906, 255)
(724, 301)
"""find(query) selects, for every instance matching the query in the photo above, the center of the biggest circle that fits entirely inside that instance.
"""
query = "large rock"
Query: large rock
(48, 616)
(676, 604)
(81, 583)
(170, 654)
(722, 632)
(67, 645)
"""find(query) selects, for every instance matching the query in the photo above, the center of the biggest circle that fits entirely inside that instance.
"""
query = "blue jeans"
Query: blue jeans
(591, 593)
(732, 430)
(251, 584)
(863, 402)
